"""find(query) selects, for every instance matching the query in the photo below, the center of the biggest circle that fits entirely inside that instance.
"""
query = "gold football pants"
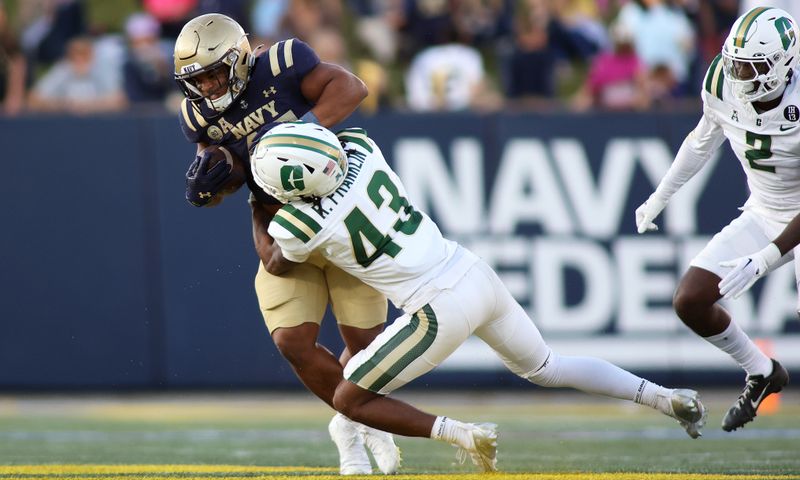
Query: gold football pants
(302, 295)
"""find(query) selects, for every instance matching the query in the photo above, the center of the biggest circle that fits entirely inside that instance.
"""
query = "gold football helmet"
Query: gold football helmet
(205, 44)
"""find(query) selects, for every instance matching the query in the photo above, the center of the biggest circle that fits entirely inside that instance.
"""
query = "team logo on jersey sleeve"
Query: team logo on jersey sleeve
(214, 132)
(791, 113)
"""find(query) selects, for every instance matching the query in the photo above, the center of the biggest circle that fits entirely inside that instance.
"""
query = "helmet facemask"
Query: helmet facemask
(190, 84)
(753, 78)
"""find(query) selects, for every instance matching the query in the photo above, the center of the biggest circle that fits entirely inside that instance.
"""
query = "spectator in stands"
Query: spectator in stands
(581, 19)
(541, 46)
(376, 79)
(48, 27)
(423, 23)
(330, 46)
(267, 17)
(236, 9)
(304, 17)
(171, 14)
(448, 77)
(481, 22)
(376, 26)
(12, 69)
(662, 37)
(662, 86)
(714, 20)
(147, 70)
(77, 85)
(617, 79)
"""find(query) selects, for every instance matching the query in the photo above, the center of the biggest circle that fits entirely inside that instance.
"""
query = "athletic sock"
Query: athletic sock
(738, 345)
(654, 395)
(452, 432)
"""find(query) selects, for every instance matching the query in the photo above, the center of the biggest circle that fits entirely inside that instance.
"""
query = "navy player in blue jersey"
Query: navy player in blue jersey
(232, 94)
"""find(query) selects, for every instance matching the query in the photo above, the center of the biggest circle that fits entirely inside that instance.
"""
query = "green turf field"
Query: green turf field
(271, 436)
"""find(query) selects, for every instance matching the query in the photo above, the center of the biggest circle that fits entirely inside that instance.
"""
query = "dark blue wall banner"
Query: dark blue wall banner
(111, 280)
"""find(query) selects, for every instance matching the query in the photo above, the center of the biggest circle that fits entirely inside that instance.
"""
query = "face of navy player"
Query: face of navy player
(212, 84)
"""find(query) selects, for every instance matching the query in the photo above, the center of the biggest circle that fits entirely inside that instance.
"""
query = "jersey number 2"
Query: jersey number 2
(381, 190)
(762, 152)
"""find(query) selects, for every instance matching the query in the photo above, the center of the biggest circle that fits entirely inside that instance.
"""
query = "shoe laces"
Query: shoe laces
(462, 455)
(749, 388)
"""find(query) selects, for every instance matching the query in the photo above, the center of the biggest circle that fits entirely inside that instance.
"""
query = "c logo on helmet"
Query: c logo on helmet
(786, 31)
(292, 178)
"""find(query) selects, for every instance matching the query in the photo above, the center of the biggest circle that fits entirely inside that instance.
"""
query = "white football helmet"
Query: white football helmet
(296, 160)
(760, 52)
(209, 42)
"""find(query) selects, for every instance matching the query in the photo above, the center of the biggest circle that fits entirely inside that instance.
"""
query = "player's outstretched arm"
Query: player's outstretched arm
(695, 151)
(335, 93)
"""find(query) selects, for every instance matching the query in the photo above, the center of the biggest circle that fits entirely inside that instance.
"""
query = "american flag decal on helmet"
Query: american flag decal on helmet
(329, 167)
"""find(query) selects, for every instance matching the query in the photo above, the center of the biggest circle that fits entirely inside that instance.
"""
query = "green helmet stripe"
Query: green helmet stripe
(304, 147)
(306, 138)
(747, 22)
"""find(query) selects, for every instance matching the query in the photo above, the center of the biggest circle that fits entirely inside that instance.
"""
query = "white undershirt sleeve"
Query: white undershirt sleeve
(695, 151)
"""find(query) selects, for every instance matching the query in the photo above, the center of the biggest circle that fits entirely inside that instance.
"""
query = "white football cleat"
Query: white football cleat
(685, 407)
(483, 451)
(349, 440)
(383, 448)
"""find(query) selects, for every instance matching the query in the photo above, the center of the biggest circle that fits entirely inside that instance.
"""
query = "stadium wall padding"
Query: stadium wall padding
(110, 280)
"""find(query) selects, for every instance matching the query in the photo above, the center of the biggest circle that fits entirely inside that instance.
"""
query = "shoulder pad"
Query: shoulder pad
(280, 57)
(192, 118)
(715, 80)
(357, 136)
(296, 222)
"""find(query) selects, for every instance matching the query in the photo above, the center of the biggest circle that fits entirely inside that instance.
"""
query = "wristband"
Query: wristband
(771, 254)
(309, 117)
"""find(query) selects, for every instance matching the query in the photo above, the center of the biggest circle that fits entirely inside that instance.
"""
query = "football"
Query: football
(238, 174)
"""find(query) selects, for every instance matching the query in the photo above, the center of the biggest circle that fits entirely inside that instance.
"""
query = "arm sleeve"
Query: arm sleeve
(293, 248)
(695, 151)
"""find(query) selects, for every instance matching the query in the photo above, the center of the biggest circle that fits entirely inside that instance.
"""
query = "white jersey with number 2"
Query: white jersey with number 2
(766, 144)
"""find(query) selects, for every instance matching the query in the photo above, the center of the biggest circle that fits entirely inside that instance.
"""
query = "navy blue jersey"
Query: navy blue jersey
(272, 95)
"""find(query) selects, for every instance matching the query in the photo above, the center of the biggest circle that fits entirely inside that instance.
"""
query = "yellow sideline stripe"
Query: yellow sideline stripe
(214, 471)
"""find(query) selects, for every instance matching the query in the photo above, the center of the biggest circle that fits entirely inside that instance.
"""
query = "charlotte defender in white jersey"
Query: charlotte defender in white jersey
(750, 97)
(343, 200)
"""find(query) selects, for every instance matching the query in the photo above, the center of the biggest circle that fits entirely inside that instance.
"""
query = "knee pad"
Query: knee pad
(547, 375)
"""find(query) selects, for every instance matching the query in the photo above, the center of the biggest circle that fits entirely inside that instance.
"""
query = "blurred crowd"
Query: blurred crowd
(89, 56)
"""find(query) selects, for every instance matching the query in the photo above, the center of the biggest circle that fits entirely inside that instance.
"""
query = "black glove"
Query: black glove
(203, 183)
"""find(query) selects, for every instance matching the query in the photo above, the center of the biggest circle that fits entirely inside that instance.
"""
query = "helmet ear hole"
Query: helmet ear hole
(309, 168)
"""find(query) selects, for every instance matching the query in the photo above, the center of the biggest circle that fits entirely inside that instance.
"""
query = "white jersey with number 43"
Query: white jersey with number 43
(766, 144)
(368, 228)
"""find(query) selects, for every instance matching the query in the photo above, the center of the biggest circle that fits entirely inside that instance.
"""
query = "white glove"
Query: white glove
(746, 270)
(647, 212)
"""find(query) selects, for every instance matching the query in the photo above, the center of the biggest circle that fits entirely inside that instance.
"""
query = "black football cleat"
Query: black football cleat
(757, 389)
